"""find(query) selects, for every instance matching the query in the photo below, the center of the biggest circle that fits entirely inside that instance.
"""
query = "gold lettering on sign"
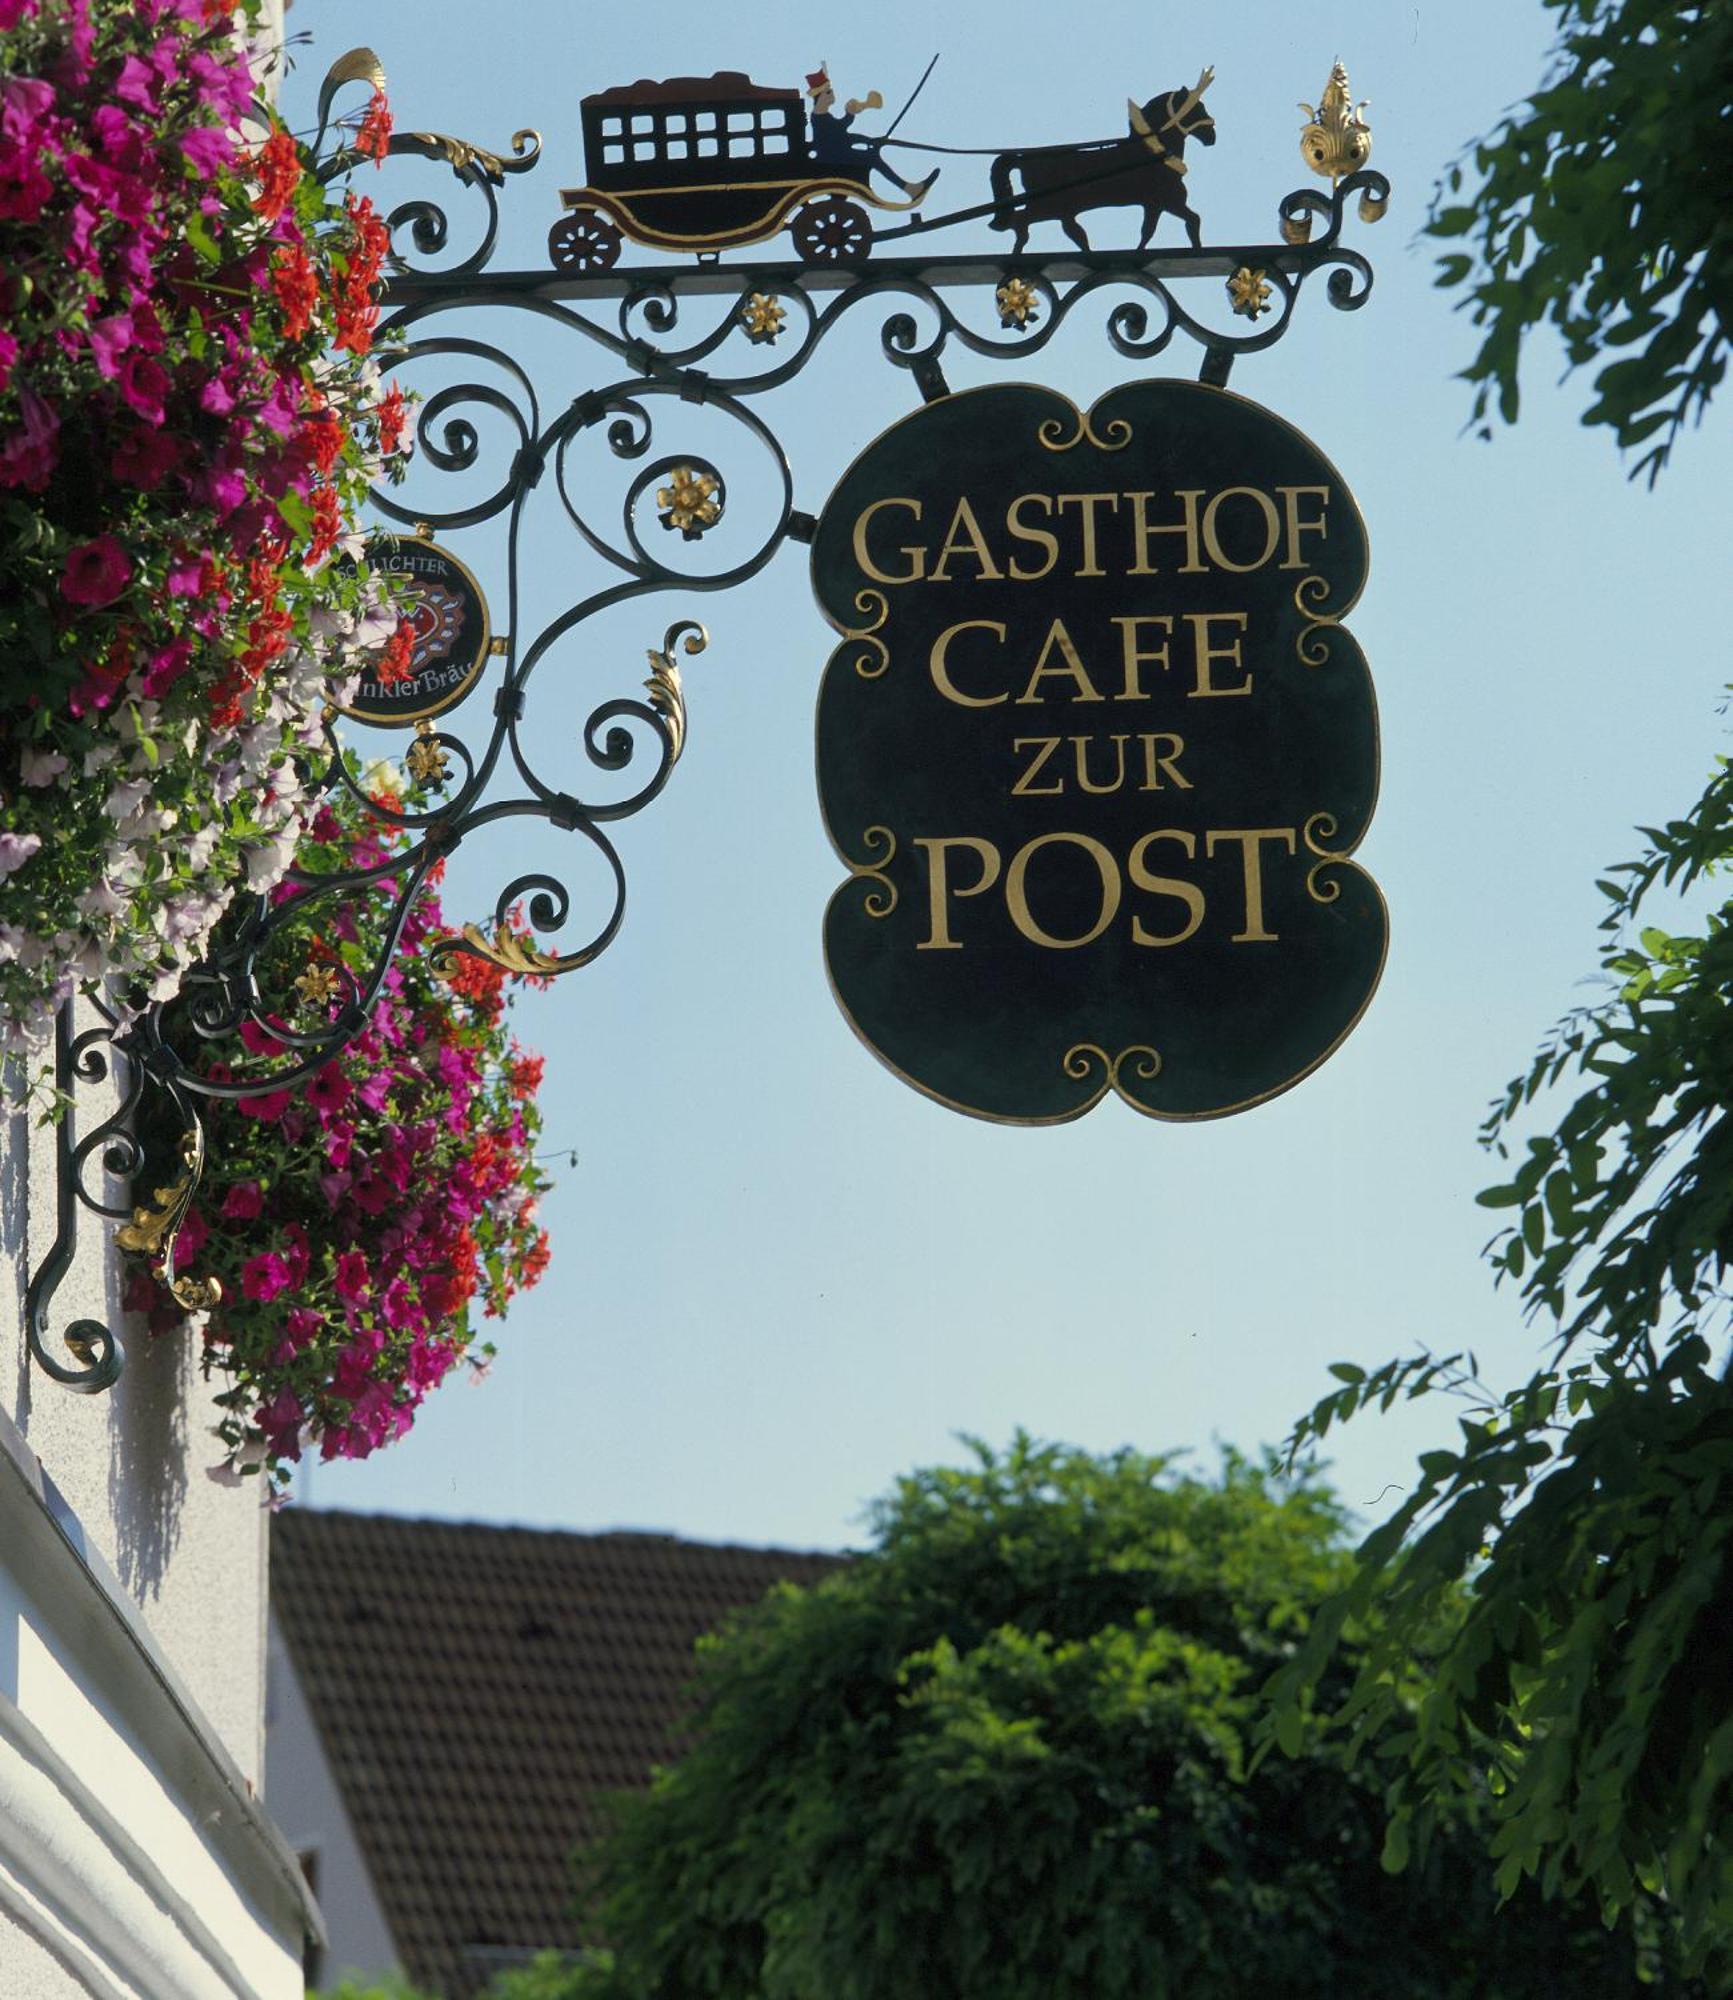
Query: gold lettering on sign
(1026, 787)
(1014, 526)
(1070, 667)
(1156, 761)
(1187, 893)
(964, 538)
(1272, 529)
(939, 889)
(1251, 845)
(939, 663)
(1291, 496)
(1138, 657)
(1017, 899)
(1200, 622)
(1086, 504)
(1141, 529)
(916, 554)
(1117, 781)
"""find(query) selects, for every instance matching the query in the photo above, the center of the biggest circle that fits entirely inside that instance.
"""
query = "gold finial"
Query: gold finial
(1337, 140)
(1018, 302)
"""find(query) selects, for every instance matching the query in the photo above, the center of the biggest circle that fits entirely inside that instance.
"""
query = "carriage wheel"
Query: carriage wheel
(832, 231)
(584, 241)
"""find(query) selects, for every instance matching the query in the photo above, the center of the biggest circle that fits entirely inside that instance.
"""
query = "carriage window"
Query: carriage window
(611, 128)
(644, 122)
(741, 121)
(677, 149)
(707, 148)
(674, 121)
(704, 121)
(645, 149)
(613, 155)
(743, 148)
(775, 142)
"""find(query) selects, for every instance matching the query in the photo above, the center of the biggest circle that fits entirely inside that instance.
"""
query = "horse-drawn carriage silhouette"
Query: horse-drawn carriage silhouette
(713, 163)
(707, 164)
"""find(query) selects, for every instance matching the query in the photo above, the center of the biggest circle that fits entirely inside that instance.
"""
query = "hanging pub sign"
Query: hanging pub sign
(450, 636)
(1096, 750)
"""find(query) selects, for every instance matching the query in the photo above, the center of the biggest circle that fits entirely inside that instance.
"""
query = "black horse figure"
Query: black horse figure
(1144, 170)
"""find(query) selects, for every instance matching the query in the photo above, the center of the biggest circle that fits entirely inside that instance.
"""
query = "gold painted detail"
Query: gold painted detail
(762, 316)
(1082, 1058)
(1318, 832)
(317, 984)
(156, 1224)
(1336, 139)
(667, 696)
(426, 761)
(510, 950)
(1372, 206)
(874, 656)
(1249, 293)
(1312, 644)
(688, 502)
(879, 902)
(461, 155)
(353, 66)
(1297, 229)
(1051, 432)
(1019, 303)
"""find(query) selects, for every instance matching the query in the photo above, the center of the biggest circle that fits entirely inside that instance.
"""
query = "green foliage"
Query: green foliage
(1004, 1756)
(1590, 1681)
(375, 1989)
(1600, 205)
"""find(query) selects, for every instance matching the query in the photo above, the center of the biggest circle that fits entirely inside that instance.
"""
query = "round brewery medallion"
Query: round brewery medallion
(450, 635)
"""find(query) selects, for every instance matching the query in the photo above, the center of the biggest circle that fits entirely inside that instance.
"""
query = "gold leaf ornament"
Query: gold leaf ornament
(510, 950)
(156, 1224)
(667, 696)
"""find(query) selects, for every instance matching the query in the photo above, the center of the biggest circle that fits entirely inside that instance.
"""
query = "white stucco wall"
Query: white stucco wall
(134, 1464)
(135, 1860)
(304, 1801)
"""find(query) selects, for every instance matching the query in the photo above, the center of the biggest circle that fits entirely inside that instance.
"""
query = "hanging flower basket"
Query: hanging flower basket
(189, 422)
(358, 1226)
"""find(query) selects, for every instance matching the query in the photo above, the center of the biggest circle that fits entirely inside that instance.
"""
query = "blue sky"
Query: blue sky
(780, 1277)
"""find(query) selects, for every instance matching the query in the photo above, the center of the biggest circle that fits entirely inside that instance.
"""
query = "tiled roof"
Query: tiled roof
(479, 1690)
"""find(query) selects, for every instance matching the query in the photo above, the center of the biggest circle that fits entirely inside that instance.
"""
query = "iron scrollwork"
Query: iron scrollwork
(653, 338)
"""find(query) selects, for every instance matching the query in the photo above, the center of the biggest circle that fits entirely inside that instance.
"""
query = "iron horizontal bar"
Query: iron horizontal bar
(695, 279)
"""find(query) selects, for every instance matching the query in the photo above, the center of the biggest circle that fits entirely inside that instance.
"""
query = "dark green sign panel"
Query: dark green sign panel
(1096, 749)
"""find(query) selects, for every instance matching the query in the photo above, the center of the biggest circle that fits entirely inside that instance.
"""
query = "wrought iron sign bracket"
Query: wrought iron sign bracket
(703, 334)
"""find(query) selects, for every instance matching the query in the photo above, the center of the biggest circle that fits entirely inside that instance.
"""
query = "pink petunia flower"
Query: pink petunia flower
(327, 1092)
(207, 148)
(351, 1281)
(265, 1276)
(95, 573)
(243, 1202)
(29, 454)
